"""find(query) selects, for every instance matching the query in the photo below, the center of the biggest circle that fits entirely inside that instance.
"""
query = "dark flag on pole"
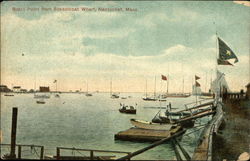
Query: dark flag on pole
(55, 81)
(225, 53)
(163, 77)
(197, 84)
(196, 77)
(223, 62)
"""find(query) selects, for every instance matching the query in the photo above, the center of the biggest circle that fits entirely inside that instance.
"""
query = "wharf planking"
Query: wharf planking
(137, 134)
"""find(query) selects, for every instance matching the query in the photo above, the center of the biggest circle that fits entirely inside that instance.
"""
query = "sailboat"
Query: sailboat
(87, 93)
(147, 98)
(209, 94)
(56, 94)
(113, 95)
(179, 95)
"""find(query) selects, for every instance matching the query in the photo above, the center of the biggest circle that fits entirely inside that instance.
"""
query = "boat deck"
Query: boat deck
(137, 134)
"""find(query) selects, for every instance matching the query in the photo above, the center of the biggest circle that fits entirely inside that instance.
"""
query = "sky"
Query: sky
(76, 48)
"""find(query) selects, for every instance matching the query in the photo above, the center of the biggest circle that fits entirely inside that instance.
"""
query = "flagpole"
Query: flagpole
(168, 83)
(195, 91)
(216, 63)
(206, 83)
(155, 88)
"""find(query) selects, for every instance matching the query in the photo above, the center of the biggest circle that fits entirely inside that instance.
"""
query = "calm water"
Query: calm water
(74, 120)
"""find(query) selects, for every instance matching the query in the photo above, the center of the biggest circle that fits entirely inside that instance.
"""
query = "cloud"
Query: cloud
(245, 3)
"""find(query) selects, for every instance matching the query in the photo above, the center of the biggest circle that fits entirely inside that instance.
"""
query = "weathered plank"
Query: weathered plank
(137, 134)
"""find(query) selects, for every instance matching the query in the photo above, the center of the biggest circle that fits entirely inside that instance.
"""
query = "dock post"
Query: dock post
(91, 155)
(42, 153)
(57, 153)
(13, 133)
(19, 152)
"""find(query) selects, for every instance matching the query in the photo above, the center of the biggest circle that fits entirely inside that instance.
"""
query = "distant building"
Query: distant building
(44, 89)
(16, 88)
(248, 91)
(4, 88)
(23, 90)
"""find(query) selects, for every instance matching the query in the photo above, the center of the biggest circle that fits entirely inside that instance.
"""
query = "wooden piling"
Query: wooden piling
(42, 153)
(91, 155)
(58, 153)
(13, 133)
(19, 155)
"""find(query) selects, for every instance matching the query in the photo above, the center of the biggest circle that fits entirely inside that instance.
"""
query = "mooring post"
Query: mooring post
(42, 153)
(19, 152)
(58, 153)
(13, 133)
(91, 155)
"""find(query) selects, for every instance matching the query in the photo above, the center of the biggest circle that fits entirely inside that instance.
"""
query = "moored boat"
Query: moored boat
(9, 95)
(88, 94)
(149, 99)
(114, 95)
(150, 125)
(127, 109)
(40, 102)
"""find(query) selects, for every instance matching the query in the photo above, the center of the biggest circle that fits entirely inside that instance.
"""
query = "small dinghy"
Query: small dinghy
(150, 125)
(40, 102)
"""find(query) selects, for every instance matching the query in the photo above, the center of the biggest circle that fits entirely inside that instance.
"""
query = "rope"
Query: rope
(81, 153)
(193, 131)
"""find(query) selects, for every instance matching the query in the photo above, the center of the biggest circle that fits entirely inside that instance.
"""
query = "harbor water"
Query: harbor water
(74, 120)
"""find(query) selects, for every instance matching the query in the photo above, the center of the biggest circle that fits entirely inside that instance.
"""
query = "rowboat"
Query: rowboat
(40, 102)
(149, 125)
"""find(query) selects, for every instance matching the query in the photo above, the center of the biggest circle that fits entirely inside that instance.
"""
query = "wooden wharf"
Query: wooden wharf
(137, 134)
(169, 138)
(204, 149)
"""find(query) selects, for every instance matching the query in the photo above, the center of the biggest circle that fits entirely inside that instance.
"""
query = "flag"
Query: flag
(55, 81)
(223, 62)
(196, 77)
(163, 77)
(225, 53)
(197, 84)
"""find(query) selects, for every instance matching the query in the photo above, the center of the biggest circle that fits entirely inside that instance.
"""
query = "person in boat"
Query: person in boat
(123, 106)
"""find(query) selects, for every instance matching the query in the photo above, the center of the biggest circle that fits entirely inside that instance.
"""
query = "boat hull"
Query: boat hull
(150, 125)
(40, 102)
(128, 111)
(149, 99)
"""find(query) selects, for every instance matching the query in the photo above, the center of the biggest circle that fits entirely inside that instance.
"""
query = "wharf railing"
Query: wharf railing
(90, 151)
(20, 148)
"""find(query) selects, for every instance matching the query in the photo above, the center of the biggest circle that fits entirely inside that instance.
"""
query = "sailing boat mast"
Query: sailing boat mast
(167, 83)
(183, 85)
(87, 88)
(155, 88)
(111, 87)
(146, 89)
